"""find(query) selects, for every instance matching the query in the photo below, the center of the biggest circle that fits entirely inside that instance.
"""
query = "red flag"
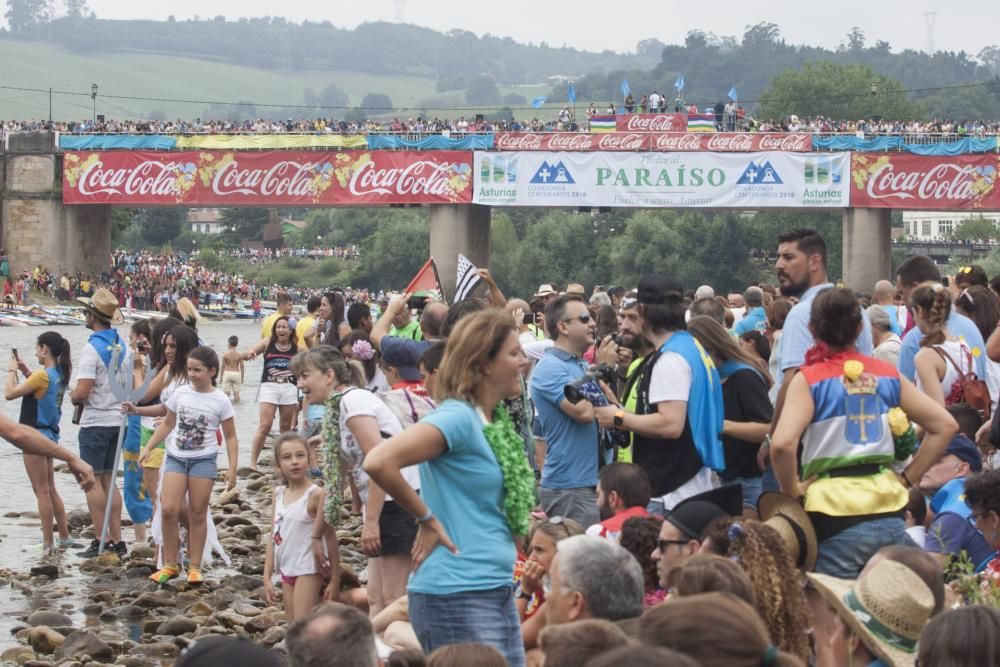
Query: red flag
(426, 278)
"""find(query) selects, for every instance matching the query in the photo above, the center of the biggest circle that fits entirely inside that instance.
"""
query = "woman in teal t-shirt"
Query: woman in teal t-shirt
(476, 491)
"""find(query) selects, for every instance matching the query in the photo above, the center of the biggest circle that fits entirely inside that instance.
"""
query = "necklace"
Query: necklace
(331, 465)
(518, 479)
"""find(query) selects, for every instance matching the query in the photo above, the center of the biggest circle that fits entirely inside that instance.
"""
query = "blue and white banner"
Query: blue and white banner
(655, 180)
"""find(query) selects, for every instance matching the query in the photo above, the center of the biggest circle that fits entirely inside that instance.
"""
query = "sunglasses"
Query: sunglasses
(972, 518)
(584, 319)
(663, 544)
(558, 521)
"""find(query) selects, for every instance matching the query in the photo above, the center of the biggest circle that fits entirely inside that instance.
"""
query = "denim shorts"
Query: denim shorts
(97, 447)
(483, 617)
(204, 467)
(845, 554)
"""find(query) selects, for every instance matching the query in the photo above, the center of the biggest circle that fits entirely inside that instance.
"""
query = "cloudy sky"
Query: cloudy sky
(598, 24)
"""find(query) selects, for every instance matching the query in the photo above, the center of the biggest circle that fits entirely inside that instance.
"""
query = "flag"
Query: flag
(679, 83)
(539, 102)
(701, 122)
(468, 278)
(426, 278)
(603, 124)
(571, 94)
(626, 91)
(732, 93)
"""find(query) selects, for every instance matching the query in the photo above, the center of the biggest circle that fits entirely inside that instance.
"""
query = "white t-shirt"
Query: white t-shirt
(198, 418)
(101, 407)
(363, 403)
(670, 380)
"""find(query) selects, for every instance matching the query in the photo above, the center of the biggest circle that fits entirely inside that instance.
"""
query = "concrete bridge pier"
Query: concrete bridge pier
(35, 227)
(458, 228)
(867, 247)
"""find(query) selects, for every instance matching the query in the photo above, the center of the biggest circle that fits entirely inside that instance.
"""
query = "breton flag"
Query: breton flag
(468, 278)
(426, 279)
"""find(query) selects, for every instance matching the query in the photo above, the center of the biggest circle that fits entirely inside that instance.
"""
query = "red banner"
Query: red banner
(268, 178)
(915, 182)
(652, 122)
(720, 142)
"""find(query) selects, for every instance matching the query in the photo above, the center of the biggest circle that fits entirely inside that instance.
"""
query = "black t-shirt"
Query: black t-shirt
(744, 399)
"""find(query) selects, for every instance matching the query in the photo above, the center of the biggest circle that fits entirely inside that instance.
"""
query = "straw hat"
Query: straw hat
(787, 516)
(545, 290)
(103, 305)
(887, 608)
(575, 288)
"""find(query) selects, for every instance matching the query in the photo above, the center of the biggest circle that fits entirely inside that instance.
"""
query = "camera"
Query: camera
(417, 302)
(142, 346)
(585, 385)
(528, 318)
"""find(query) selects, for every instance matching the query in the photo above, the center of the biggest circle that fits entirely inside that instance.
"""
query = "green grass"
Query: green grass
(42, 65)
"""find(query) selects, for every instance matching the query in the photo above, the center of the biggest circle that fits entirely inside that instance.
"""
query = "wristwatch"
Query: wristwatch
(619, 419)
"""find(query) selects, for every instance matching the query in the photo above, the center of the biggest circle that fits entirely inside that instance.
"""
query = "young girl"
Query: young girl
(41, 408)
(197, 409)
(297, 504)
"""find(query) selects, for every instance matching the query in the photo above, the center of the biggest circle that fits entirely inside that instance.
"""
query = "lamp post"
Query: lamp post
(93, 98)
(874, 92)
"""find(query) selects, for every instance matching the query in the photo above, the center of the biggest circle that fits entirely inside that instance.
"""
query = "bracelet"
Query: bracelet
(906, 479)
(317, 538)
(426, 517)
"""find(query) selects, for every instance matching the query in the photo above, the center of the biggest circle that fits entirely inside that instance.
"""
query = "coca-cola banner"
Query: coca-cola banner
(722, 142)
(914, 182)
(652, 122)
(662, 179)
(268, 178)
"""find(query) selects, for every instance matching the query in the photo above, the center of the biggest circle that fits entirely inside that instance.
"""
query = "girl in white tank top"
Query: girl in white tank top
(290, 551)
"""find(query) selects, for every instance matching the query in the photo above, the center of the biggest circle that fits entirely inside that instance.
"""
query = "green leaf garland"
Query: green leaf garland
(331, 464)
(518, 479)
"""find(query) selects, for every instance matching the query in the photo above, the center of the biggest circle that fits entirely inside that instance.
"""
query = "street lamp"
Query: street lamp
(93, 98)
(874, 88)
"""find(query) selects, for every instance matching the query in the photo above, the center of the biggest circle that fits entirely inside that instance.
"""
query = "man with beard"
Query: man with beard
(801, 269)
(633, 351)
(622, 493)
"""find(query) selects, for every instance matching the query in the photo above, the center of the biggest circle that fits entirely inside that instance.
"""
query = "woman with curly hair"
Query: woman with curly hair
(781, 600)
(640, 537)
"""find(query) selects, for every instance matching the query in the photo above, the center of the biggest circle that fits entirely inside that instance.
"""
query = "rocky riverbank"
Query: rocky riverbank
(131, 621)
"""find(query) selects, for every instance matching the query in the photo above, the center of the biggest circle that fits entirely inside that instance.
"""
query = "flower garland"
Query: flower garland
(331, 465)
(518, 479)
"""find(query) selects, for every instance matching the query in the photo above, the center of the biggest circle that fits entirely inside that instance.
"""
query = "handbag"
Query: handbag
(968, 388)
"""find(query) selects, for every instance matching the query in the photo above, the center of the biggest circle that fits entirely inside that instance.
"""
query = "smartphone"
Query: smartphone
(417, 302)
(13, 352)
(529, 318)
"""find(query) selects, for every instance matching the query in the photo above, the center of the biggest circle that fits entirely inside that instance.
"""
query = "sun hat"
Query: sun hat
(545, 289)
(103, 305)
(786, 515)
(887, 608)
(575, 288)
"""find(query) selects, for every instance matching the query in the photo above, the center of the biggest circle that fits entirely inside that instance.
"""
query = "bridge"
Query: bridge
(56, 203)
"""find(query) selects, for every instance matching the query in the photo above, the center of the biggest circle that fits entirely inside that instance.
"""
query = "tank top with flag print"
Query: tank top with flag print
(850, 427)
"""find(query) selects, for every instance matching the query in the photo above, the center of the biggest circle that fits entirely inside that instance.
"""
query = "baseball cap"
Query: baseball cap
(404, 359)
(214, 650)
(692, 515)
(656, 288)
(965, 450)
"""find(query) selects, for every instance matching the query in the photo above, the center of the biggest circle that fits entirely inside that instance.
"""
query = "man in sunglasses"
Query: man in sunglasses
(569, 476)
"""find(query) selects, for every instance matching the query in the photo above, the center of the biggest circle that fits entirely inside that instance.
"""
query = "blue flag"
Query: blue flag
(679, 83)
(732, 93)
(572, 94)
(539, 102)
(626, 91)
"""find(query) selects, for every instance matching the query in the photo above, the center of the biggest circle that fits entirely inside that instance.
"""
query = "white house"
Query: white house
(939, 225)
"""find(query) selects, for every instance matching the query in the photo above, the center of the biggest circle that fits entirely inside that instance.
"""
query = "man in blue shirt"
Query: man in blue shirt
(919, 269)
(885, 296)
(569, 476)
(755, 319)
(950, 533)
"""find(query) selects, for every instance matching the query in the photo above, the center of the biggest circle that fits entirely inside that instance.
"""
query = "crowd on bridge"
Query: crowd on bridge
(264, 255)
(788, 474)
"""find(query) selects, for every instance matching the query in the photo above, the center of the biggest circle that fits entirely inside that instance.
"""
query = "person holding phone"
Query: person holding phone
(41, 395)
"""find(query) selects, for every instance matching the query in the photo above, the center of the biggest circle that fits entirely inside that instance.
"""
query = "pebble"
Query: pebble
(81, 643)
(177, 625)
(49, 618)
(44, 639)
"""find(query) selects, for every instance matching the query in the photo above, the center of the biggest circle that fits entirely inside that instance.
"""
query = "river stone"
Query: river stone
(229, 497)
(200, 609)
(272, 636)
(142, 552)
(177, 625)
(231, 619)
(49, 618)
(81, 643)
(153, 599)
(259, 624)
(36, 663)
(236, 520)
(78, 519)
(245, 609)
(44, 639)
(133, 660)
(242, 582)
(45, 570)
(159, 649)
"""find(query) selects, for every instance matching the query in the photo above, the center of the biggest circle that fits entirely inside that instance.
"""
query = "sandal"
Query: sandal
(166, 574)
(194, 576)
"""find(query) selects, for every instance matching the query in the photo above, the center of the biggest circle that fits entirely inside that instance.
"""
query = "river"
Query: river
(19, 536)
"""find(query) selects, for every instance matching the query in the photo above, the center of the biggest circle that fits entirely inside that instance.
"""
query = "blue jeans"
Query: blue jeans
(769, 481)
(485, 617)
(845, 554)
(577, 504)
(752, 488)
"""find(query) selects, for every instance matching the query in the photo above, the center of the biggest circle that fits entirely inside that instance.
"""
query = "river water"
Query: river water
(20, 536)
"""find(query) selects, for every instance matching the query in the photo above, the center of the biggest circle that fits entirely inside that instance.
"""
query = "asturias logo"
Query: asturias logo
(549, 174)
(763, 174)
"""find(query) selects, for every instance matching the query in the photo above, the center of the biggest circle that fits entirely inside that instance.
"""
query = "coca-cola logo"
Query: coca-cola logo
(621, 141)
(146, 178)
(418, 178)
(731, 143)
(652, 123)
(570, 142)
(941, 182)
(678, 142)
(285, 178)
(509, 141)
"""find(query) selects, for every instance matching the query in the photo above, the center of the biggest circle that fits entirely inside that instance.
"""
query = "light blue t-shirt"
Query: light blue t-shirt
(797, 339)
(958, 325)
(754, 320)
(893, 314)
(464, 489)
(570, 446)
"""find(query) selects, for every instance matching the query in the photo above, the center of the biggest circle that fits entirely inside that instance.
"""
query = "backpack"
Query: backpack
(967, 388)
(408, 407)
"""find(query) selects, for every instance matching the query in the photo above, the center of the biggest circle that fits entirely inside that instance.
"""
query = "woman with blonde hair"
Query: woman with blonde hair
(542, 541)
(477, 495)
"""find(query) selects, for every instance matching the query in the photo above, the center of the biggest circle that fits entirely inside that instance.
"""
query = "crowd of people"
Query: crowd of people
(794, 473)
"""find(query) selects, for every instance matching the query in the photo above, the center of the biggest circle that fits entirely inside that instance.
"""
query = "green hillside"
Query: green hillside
(41, 65)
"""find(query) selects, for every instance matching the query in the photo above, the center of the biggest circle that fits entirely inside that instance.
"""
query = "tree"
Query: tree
(514, 100)
(244, 224)
(761, 34)
(975, 228)
(376, 103)
(24, 16)
(482, 91)
(77, 9)
(990, 57)
(835, 91)
(332, 97)
(162, 225)
(855, 40)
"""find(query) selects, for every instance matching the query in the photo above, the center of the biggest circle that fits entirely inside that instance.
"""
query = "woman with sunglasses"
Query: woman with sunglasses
(531, 588)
